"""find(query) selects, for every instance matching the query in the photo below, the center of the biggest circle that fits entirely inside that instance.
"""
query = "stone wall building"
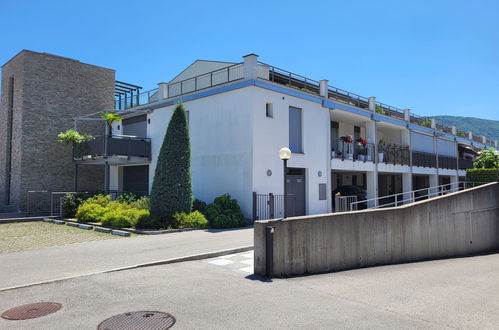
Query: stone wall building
(40, 95)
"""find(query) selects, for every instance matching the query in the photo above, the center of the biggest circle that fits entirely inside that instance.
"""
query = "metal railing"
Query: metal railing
(394, 154)
(412, 196)
(345, 203)
(290, 79)
(353, 150)
(271, 206)
(131, 101)
(424, 159)
(116, 145)
(206, 80)
(347, 97)
(465, 163)
(390, 111)
(447, 162)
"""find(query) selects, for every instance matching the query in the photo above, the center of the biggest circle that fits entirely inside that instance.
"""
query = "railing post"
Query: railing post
(453, 130)
(433, 124)
(271, 206)
(250, 67)
(407, 115)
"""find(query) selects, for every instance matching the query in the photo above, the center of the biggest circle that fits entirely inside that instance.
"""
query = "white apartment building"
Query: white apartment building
(241, 114)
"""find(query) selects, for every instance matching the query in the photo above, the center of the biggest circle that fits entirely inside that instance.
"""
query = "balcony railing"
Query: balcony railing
(214, 78)
(113, 146)
(393, 154)
(388, 110)
(465, 163)
(353, 150)
(447, 162)
(424, 159)
(131, 101)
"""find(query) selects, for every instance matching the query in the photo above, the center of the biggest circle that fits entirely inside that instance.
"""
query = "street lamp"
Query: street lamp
(285, 154)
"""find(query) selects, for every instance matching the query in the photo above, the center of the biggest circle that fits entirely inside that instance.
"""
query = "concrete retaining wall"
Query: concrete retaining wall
(457, 224)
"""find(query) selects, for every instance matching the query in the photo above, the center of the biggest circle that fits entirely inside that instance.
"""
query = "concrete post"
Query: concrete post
(162, 90)
(433, 123)
(470, 135)
(372, 188)
(454, 186)
(454, 130)
(433, 183)
(323, 90)
(372, 104)
(250, 67)
(495, 143)
(407, 187)
(407, 115)
(484, 139)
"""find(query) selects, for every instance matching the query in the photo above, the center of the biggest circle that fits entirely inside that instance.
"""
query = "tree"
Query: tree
(487, 159)
(172, 188)
(110, 118)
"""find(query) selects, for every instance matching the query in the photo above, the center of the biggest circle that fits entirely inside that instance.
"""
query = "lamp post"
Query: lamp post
(285, 154)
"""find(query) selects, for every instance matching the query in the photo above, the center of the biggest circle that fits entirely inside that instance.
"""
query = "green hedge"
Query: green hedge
(482, 175)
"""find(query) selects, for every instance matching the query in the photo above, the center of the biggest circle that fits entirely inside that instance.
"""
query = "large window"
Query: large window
(295, 130)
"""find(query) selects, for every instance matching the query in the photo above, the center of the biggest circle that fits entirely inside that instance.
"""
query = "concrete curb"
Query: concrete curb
(25, 219)
(120, 233)
(192, 257)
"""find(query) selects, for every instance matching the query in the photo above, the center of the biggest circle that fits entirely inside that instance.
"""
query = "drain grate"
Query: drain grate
(138, 320)
(31, 311)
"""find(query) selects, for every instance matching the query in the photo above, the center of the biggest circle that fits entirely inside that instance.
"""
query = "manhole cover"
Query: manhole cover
(31, 311)
(138, 320)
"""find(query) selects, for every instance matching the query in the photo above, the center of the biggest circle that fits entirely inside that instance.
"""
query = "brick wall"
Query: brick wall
(50, 91)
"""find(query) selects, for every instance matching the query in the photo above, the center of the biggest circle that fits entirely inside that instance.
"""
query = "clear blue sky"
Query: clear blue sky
(434, 57)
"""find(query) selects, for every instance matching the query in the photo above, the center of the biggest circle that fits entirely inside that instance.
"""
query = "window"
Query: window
(295, 130)
(268, 110)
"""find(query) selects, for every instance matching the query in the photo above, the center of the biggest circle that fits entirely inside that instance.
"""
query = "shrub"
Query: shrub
(99, 199)
(482, 175)
(90, 212)
(192, 220)
(224, 212)
(142, 203)
(127, 198)
(199, 205)
(124, 217)
(172, 188)
(487, 159)
(70, 204)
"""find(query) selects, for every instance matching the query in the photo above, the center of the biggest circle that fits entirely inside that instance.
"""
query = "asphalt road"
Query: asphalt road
(453, 293)
(28, 266)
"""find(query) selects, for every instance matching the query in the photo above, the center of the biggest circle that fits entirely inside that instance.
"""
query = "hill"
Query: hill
(489, 128)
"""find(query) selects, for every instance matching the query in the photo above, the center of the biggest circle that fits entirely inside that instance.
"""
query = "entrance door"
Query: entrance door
(295, 185)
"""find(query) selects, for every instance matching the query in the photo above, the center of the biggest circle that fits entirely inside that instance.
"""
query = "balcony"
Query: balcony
(447, 162)
(393, 154)
(114, 149)
(424, 159)
(355, 151)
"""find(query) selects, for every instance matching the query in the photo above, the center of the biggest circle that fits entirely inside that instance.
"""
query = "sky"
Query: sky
(434, 57)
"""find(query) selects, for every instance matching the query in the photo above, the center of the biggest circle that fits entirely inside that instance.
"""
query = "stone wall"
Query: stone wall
(457, 224)
(51, 91)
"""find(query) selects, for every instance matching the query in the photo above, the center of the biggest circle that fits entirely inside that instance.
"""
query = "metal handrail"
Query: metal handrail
(397, 202)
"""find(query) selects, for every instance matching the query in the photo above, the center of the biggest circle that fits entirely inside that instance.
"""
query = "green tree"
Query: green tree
(72, 137)
(172, 188)
(110, 118)
(487, 159)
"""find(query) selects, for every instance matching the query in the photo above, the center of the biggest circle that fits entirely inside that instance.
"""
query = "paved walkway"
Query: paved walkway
(444, 294)
(22, 267)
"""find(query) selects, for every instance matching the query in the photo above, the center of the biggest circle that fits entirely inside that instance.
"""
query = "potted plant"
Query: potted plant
(110, 118)
(381, 151)
(347, 139)
(362, 142)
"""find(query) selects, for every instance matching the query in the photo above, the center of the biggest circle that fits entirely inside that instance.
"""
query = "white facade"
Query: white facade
(235, 142)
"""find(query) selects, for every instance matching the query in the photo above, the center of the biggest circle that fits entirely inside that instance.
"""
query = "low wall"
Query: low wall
(458, 224)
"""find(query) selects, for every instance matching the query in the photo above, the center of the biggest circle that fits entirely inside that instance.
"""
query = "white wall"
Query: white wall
(221, 148)
(271, 134)
(422, 142)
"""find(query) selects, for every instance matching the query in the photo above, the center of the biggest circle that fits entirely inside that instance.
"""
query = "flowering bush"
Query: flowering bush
(362, 141)
(346, 139)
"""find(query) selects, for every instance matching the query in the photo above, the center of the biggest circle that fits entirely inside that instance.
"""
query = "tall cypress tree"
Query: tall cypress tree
(172, 187)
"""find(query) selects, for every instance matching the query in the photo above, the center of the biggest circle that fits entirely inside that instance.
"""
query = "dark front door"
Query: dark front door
(136, 179)
(295, 185)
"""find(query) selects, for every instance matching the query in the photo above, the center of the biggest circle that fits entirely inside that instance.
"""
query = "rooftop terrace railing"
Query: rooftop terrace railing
(390, 111)
(214, 78)
(131, 101)
(289, 79)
